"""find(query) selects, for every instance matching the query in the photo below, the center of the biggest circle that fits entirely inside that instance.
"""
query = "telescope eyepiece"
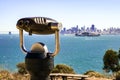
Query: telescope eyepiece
(23, 23)
(27, 23)
(20, 23)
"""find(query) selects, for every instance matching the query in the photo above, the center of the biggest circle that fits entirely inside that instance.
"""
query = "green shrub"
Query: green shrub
(62, 68)
(118, 75)
(21, 68)
(92, 73)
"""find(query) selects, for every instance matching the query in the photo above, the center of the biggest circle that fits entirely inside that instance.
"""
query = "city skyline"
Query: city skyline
(77, 29)
(90, 26)
(102, 13)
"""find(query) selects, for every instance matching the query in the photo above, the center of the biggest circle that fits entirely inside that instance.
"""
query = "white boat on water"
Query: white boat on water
(89, 34)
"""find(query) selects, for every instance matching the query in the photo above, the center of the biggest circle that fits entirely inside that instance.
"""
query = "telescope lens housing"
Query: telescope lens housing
(38, 25)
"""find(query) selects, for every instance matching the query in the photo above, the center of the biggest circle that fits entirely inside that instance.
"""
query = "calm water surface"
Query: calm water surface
(81, 53)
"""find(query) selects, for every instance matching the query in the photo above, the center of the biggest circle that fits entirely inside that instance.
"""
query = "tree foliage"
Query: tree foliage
(111, 61)
(119, 53)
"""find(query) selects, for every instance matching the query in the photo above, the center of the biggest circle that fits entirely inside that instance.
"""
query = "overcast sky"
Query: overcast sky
(101, 13)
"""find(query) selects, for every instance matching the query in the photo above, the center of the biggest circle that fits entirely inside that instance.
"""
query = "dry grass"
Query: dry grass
(6, 75)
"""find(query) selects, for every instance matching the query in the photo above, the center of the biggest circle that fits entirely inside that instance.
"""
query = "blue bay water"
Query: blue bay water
(81, 53)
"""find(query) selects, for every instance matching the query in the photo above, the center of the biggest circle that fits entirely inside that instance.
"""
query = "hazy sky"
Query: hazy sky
(101, 13)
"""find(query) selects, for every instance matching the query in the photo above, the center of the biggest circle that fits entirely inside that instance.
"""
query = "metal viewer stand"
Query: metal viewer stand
(39, 62)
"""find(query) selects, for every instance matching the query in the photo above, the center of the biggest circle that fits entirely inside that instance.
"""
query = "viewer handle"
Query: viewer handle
(57, 44)
(22, 42)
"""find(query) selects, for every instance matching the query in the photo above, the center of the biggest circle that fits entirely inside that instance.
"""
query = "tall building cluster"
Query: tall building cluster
(92, 28)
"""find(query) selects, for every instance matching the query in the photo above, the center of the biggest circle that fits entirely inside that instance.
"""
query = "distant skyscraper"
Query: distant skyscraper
(83, 28)
(64, 29)
(92, 27)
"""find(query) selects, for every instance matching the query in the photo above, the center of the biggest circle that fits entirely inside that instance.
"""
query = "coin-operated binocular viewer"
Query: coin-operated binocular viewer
(39, 61)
